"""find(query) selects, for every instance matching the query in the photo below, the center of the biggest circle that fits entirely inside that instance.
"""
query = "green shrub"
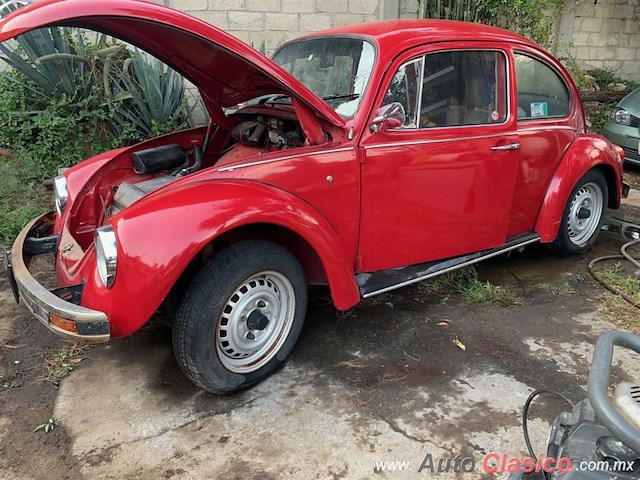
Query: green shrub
(61, 133)
(65, 98)
(532, 18)
(602, 76)
(597, 114)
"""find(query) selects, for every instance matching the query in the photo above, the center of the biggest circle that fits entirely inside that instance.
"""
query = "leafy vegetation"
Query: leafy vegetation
(597, 114)
(448, 282)
(605, 78)
(465, 283)
(148, 96)
(629, 284)
(478, 292)
(67, 95)
(48, 426)
(557, 289)
(4, 383)
(532, 18)
(620, 312)
(63, 362)
(615, 308)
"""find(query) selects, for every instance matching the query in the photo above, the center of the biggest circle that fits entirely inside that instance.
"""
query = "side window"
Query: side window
(463, 88)
(451, 89)
(404, 89)
(541, 91)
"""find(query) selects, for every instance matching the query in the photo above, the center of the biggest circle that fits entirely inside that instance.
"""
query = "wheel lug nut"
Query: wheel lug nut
(251, 336)
(261, 304)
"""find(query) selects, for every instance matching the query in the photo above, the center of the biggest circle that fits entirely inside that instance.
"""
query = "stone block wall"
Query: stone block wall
(604, 35)
(408, 9)
(273, 22)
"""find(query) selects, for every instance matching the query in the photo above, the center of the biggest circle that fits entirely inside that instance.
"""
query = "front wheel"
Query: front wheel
(241, 316)
(583, 215)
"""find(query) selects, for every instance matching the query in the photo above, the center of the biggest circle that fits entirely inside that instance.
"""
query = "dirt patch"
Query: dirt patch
(27, 398)
(632, 175)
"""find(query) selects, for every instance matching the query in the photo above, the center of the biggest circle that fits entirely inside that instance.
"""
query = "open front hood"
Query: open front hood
(226, 70)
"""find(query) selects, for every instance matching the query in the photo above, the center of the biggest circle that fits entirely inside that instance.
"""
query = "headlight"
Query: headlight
(60, 193)
(620, 116)
(106, 254)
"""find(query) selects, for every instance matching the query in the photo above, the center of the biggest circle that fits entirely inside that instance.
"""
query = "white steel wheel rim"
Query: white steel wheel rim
(242, 349)
(588, 200)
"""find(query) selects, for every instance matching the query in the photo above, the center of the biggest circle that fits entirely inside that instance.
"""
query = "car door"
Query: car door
(442, 184)
(547, 125)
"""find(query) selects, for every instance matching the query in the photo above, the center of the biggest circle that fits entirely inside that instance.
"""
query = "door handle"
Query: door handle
(508, 146)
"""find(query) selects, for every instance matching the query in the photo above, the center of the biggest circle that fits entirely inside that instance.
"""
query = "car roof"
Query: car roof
(393, 36)
(430, 30)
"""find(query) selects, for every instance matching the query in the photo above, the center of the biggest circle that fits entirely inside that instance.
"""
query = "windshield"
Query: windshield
(335, 69)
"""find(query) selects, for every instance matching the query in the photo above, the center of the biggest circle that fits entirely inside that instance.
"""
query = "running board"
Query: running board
(386, 280)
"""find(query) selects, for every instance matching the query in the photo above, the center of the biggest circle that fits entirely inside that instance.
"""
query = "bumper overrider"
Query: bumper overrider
(58, 309)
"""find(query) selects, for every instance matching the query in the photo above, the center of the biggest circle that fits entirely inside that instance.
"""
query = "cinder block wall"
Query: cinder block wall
(408, 9)
(606, 34)
(277, 21)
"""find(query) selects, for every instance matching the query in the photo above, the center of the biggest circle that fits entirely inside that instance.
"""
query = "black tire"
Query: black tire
(243, 278)
(574, 239)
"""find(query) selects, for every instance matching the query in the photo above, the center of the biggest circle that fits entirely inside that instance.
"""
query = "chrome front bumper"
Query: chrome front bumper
(57, 309)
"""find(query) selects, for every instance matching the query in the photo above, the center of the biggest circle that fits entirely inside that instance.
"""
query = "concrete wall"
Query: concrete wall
(604, 35)
(408, 9)
(277, 21)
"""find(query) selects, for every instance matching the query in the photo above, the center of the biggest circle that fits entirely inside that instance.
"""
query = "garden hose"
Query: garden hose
(624, 255)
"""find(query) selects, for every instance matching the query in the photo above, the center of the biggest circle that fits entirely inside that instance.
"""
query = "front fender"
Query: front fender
(159, 236)
(78, 176)
(585, 153)
(82, 177)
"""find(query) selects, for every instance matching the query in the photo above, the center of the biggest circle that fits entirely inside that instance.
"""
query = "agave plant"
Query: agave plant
(136, 95)
(58, 62)
(148, 96)
(141, 94)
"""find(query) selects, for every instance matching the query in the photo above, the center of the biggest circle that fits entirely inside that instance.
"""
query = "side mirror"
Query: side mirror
(388, 117)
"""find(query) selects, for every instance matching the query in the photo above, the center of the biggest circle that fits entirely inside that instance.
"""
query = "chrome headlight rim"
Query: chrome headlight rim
(106, 246)
(620, 116)
(60, 194)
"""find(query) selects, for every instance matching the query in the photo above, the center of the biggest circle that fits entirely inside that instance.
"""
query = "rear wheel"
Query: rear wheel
(583, 215)
(241, 316)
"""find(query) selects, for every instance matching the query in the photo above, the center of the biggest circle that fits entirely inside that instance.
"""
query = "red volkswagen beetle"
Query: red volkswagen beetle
(365, 158)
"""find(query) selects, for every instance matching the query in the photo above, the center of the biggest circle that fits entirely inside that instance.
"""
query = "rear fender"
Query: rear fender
(586, 153)
(159, 237)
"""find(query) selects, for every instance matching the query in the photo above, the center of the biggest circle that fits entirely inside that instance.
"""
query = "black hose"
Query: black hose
(197, 163)
(525, 417)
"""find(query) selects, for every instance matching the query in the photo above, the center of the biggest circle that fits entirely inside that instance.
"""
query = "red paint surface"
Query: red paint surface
(395, 197)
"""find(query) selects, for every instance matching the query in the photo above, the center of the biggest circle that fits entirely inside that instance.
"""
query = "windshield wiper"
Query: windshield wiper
(339, 96)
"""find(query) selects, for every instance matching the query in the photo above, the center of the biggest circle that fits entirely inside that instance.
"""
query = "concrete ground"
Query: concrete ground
(387, 385)
(386, 382)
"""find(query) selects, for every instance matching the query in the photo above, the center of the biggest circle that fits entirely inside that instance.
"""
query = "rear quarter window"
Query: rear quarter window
(542, 93)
